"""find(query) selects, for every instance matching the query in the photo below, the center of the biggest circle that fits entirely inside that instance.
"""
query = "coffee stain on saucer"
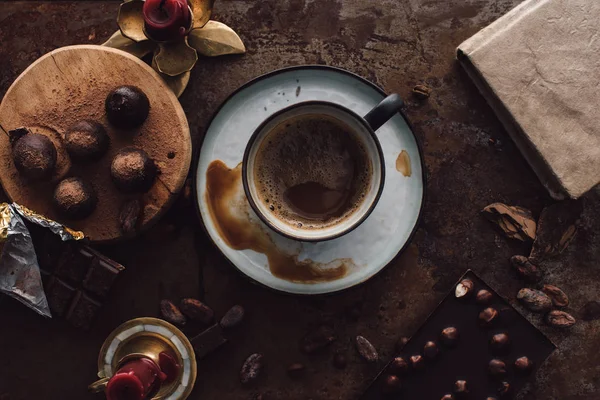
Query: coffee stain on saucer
(403, 163)
(241, 233)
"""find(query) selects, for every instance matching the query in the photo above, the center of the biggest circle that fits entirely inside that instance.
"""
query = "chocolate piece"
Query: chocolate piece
(74, 198)
(133, 171)
(417, 362)
(34, 155)
(460, 389)
(59, 296)
(208, 341)
(101, 275)
(484, 297)
(366, 350)
(86, 141)
(398, 366)
(497, 368)
(127, 107)
(83, 311)
(74, 263)
(392, 384)
(523, 365)
(488, 316)
(449, 336)
(500, 343)
(430, 350)
(464, 289)
(558, 297)
(296, 370)
(464, 360)
(251, 369)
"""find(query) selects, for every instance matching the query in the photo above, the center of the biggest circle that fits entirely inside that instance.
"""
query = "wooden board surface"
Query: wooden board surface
(70, 84)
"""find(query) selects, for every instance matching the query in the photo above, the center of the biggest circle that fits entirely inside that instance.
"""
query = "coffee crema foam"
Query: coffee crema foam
(312, 172)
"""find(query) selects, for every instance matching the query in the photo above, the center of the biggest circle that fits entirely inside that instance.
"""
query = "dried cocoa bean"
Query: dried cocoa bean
(560, 319)
(233, 317)
(251, 369)
(515, 222)
(129, 215)
(366, 349)
(559, 298)
(535, 300)
(525, 269)
(317, 340)
(197, 310)
(591, 311)
(296, 370)
(171, 313)
(421, 92)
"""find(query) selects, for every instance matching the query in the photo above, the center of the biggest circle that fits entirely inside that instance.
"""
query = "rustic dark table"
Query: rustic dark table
(470, 162)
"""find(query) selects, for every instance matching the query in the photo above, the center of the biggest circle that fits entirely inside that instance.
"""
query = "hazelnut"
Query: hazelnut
(392, 384)
(504, 389)
(430, 350)
(398, 366)
(488, 316)
(34, 154)
(86, 141)
(449, 336)
(132, 171)
(464, 288)
(447, 397)
(500, 342)
(484, 297)
(460, 388)
(417, 362)
(75, 198)
(523, 365)
(127, 107)
(497, 368)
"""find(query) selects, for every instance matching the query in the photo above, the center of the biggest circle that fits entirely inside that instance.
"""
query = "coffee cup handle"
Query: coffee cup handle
(384, 111)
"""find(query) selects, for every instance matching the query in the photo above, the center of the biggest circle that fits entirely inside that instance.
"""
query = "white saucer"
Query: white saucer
(374, 243)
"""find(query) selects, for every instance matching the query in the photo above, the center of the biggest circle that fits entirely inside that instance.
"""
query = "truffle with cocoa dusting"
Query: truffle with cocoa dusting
(75, 198)
(87, 141)
(34, 154)
(127, 107)
(132, 171)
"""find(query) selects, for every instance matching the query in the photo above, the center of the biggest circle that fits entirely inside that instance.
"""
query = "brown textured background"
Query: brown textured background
(396, 44)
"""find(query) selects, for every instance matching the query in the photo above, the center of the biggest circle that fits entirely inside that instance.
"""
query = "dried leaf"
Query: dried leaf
(216, 39)
(175, 58)
(556, 229)
(177, 83)
(516, 222)
(131, 20)
(138, 49)
(202, 10)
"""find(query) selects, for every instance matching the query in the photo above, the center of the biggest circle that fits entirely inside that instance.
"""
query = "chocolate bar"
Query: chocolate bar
(474, 345)
(76, 277)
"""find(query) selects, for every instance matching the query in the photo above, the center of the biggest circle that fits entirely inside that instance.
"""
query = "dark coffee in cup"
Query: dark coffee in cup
(312, 171)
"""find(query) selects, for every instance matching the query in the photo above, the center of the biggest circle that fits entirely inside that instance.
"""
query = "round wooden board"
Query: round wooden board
(71, 84)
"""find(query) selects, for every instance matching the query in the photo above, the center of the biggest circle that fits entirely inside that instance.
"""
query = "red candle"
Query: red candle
(167, 20)
(135, 380)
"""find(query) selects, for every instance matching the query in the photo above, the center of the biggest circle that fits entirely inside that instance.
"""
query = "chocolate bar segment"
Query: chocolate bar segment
(83, 311)
(59, 296)
(464, 363)
(100, 276)
(74, 263)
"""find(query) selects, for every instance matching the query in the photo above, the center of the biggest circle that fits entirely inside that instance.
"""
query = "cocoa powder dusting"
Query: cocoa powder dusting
(240, 233)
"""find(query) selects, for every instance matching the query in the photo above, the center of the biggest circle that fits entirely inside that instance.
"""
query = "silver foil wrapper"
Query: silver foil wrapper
(20, 275)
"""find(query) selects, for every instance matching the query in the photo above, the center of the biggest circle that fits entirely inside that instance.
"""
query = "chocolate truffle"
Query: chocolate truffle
(34, 154)
(74, 198)
(132, 171)
(127, 107)
(86, 141)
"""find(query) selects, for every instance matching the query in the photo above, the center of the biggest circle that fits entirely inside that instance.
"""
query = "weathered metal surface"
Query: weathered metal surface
(471, 163)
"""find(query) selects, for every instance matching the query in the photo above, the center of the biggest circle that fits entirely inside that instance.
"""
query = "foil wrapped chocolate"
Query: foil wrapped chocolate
(20, 275)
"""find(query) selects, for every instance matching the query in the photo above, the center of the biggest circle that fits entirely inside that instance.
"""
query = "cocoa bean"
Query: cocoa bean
(317, 340)
(197, 310)
(296, 370)
(251, 368)
(525, 269)
(421, 92)
(171, 313)
(591, 311)
(559, 298)
(535, 300)
(366, 349)
(560, 319)
(129, 215)
(233, 317)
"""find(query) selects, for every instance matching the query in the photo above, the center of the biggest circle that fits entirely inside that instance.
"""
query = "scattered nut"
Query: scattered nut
(484, 297)
(392, 384)
(500, 342)
(497, 368)
(525, 269)
(488, 316)
(535, 300)
(559, 298)
(398, 366)
(560, 319)
(447, 397)
(317, 340)
(296, 370)
(430, 350)
(251, 369)
(417, 362)
(449, 336)
(504, 388)
(197, 310)
(233, 317)
(129, 215)
(366, 349)
(171, 313)
(464, 288)
(523, 365)
(460, 388)
(421, 92)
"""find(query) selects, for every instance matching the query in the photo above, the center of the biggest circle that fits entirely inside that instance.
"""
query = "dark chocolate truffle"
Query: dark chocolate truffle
(86, 141)
(34, 154)
(75, 198)
(132, 171)
(127, 107)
